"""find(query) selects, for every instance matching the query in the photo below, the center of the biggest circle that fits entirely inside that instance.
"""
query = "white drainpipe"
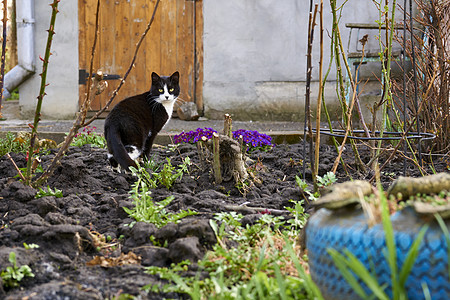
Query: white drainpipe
(25, 47)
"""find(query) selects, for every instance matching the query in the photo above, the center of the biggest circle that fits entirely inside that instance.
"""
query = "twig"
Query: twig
(254, 210)
(408, 129)
(2, 70)
(227, 126)
(334, 55)
(116, 91)
(349, 117)
(216, 158)
(15, 166)
(87, 102)
(340, 52)
(96, 85)
(201, 149)
(319, 99)
(311, 24)
(242, 145)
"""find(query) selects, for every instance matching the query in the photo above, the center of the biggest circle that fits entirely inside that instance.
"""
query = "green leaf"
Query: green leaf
(311, 288)
(12, 258)
(343, 265)
(447, 238)
(371, 282)
(411, 258)
(391, 255)
(280, 281)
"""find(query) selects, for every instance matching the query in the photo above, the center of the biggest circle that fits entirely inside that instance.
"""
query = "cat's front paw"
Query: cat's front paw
(116, 169)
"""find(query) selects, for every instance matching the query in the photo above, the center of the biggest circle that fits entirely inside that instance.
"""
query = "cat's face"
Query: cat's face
(165, 89)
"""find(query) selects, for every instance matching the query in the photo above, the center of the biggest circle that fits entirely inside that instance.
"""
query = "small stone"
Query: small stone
(185, 249)
(140, 234)
(19, 192)
(167, 233)
(188, 111)
(153, 256)
(198, 228)
(45, 205)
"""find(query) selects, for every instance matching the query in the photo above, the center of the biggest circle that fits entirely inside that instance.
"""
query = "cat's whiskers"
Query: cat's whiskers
(179, 101)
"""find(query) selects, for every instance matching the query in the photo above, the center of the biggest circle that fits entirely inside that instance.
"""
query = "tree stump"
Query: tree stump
(229, 160)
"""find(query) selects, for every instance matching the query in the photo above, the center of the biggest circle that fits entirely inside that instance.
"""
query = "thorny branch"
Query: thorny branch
(2, 68)
(37, 115)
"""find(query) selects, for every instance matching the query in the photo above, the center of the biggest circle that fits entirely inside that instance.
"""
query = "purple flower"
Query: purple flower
(253, 139)
(193, 136)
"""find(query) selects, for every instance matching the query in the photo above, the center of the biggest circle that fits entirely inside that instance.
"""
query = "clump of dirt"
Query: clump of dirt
(87, 250)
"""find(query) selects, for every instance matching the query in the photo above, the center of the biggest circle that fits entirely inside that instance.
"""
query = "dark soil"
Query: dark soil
(67, 229)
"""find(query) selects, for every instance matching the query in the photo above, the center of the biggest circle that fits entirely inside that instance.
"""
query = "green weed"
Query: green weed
(322, 181)
(12, 275)
(10, 143)
(311, 196)
(326, 180)
(259, 267)
(150, 174)
(30, 246)
(89, 136)
(299, 218)
(169, 174)
(49, 192)
(147, 210)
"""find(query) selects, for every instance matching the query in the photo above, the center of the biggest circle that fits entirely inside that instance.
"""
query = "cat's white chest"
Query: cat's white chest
(168, 106)
(168, 101)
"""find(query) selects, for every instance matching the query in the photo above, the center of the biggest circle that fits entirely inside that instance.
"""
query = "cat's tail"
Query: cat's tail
(117, 149)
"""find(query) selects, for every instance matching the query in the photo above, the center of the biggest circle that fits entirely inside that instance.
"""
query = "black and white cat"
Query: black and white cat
(132, 125)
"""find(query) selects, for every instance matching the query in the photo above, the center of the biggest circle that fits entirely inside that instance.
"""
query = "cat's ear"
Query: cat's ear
(175, 77)
(155, 77)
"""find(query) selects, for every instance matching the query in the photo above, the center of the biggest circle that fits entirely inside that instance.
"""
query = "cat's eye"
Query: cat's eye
(161, 90)
(171, 90)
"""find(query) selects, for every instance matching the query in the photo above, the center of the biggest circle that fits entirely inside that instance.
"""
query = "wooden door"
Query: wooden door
(173, 43)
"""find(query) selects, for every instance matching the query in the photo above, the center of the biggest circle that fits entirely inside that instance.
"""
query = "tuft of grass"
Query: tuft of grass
(258, 267)
(304, 188)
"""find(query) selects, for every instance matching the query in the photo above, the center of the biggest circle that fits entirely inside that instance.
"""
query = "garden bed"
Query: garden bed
(84, 238)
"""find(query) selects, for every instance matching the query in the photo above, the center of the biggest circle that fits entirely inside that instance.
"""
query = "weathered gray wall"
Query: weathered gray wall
(61, 100)
(255, 56)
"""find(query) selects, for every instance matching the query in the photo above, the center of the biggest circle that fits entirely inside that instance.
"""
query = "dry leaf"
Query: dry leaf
(124, 259)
